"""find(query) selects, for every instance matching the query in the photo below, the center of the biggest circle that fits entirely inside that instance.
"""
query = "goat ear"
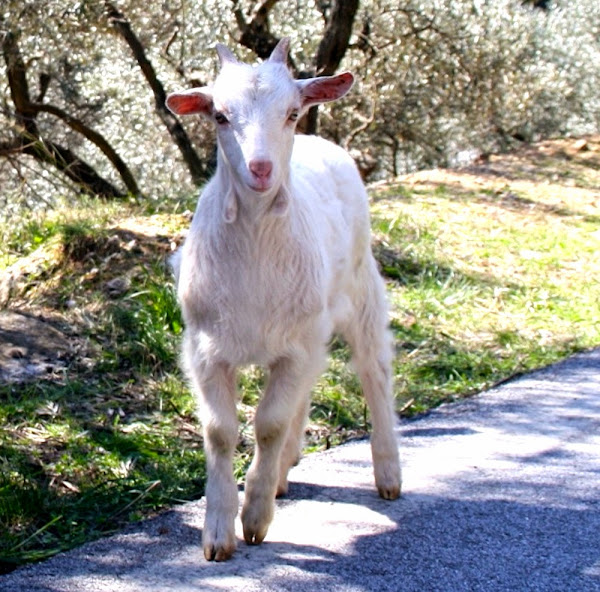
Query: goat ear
(187, 102)
(225, 55)
(324, 88)
(280, 54)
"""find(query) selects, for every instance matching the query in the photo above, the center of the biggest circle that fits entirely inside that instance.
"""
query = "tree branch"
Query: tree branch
(336, 38)
(11, 147)
(72, 166)
(44, 84)
(256, 34)
(29, 140)
(332, 48)
(17, 81)
(96, 138)
(197, 168)
(365, 123)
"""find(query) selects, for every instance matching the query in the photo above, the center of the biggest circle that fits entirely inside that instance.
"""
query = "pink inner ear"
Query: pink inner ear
(187, 103)
(327, 88)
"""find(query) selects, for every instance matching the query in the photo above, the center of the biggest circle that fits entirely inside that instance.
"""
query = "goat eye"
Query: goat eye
(293, 116)
(220, 118)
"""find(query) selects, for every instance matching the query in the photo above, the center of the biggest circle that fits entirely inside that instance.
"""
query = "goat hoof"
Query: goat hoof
(254, 538)
(218, 546)
(257, 514)
(256, 524)
(389, 493)
(388, 478)
(214, 553)
(282, 489)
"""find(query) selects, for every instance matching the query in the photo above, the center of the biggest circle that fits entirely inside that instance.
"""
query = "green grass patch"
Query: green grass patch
(81, 459)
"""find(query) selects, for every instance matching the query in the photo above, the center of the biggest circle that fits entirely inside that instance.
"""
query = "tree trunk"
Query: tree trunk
(332, 48)
(256, 35)
(198, 170)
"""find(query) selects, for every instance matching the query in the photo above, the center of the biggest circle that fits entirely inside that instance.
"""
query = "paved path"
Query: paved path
(501, 493)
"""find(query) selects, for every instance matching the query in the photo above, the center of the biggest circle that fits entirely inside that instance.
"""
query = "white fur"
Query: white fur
(266, 276)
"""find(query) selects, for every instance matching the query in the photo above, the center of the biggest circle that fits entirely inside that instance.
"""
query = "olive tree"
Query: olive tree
(84, 82)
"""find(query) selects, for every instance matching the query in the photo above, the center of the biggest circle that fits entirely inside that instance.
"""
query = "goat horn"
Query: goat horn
(225, 55)
(280, 53)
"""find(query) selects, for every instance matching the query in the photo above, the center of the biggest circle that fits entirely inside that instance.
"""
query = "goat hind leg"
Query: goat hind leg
(277, 440)
(292, 449)
(371, 344)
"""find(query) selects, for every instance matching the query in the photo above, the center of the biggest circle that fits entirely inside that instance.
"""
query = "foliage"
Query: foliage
(439, 82)
(466, 78)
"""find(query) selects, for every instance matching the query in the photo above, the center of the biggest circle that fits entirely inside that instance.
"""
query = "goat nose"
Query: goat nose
(261, 169)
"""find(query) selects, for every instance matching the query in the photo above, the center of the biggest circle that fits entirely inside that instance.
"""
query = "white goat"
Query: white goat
(277, 259)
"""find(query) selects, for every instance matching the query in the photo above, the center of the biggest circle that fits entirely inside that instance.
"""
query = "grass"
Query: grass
(491, 274)
(488, 275)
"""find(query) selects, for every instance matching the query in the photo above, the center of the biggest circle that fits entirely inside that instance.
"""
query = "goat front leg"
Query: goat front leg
(284, 399)
(217, 405)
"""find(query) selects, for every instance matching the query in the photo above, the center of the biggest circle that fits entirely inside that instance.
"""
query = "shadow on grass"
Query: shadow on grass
(418, 270)
(511, 201)
(70, 472)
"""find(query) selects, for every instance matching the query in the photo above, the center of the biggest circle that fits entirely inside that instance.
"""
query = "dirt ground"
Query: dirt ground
(41, 334)
(32, 346)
